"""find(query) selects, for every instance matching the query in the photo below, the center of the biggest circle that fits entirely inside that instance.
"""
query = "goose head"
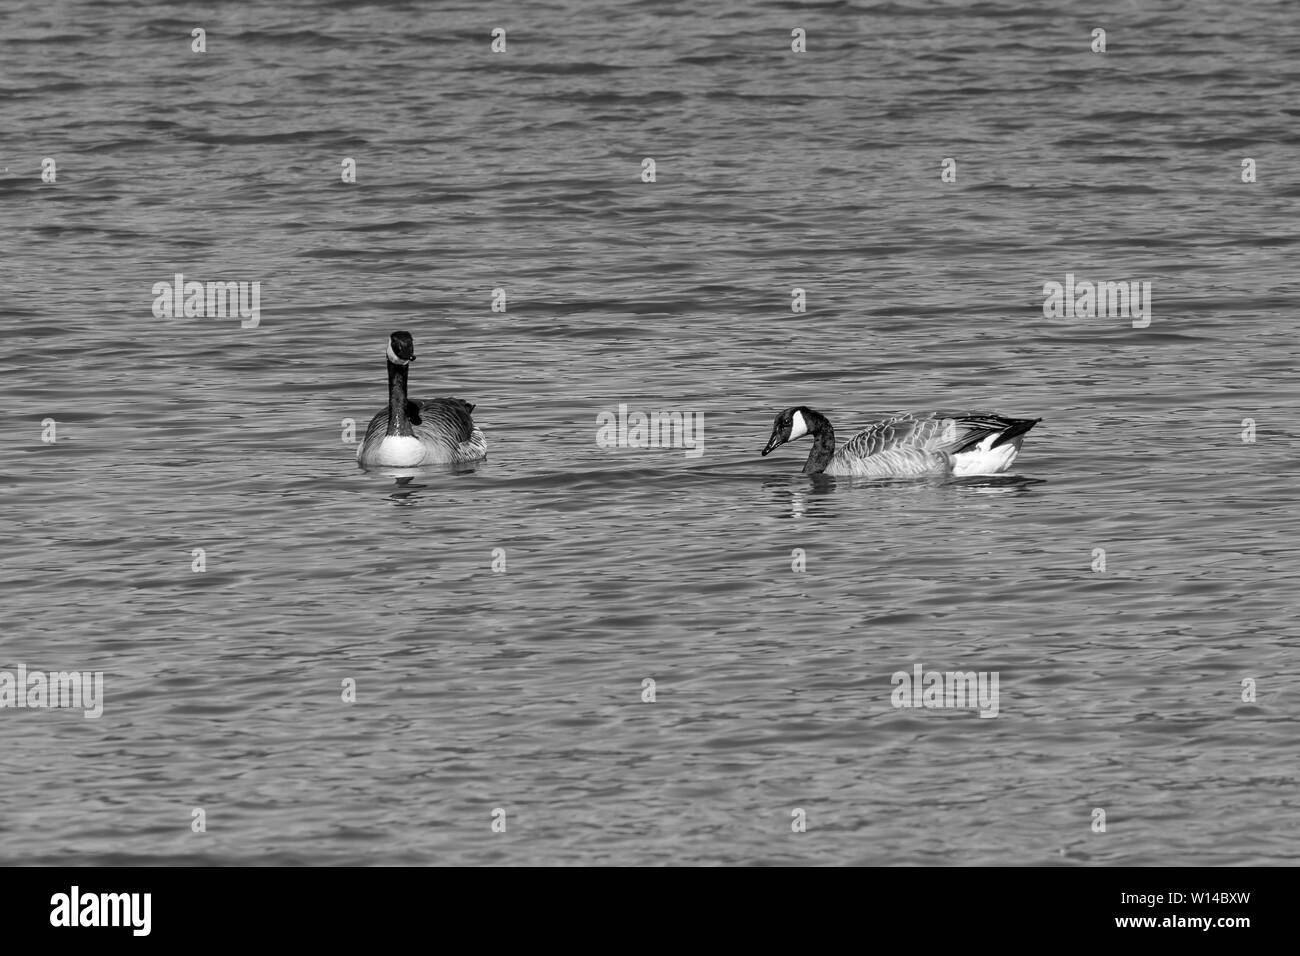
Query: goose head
(401, 348)
(790, 424)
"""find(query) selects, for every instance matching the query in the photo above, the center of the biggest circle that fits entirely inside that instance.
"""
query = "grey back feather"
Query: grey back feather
(947, 434)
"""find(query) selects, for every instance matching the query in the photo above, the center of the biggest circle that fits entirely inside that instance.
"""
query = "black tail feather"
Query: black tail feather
(1017, 427)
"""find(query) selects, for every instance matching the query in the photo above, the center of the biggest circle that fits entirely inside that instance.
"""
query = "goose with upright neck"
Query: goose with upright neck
(410, 433)
(907, 446)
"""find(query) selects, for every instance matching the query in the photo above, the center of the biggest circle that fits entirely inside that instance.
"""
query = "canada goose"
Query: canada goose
(408, 432)
(906, 446)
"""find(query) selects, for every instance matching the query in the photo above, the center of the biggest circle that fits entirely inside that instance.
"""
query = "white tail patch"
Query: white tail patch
(397, 451)
(798, 427)
(984, 459)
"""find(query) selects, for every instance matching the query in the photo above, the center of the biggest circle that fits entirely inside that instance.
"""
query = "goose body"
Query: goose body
(410, 433)
(907, 446)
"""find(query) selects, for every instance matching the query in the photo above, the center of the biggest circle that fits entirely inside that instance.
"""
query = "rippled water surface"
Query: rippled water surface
(522, 689)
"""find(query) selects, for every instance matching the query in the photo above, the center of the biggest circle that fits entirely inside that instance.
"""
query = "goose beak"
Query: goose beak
(773, 442)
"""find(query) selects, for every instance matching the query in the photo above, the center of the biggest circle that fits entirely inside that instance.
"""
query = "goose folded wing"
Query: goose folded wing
(378, 426)
(902, 432)
(451, 416)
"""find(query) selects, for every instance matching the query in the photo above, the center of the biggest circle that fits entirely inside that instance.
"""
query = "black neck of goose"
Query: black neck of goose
(823, 443)
(398, 423)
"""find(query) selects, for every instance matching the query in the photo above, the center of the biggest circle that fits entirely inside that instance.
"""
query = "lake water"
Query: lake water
(521, 688)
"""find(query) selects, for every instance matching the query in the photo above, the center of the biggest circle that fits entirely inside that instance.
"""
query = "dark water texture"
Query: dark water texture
(1120, 690)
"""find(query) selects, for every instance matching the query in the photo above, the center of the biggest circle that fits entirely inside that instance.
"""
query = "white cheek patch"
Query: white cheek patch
(392, 357)
(798, 427)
